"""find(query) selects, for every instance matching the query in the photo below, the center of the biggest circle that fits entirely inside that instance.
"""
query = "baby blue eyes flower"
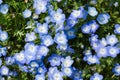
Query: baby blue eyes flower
(92, 11)
(27, 13)
(39, 77)
(67, 71)
(41, 28)
(111, 39)
(42, 50)
(4, 8)
(96, 76)
(57, 16)
(60, 38)
(40, 6)
(4, 71)
(116, 69)
(30, 37)
(117, 29)
(91, 59)
(1, 1)
(3, 51)
(47, 40)
(3, 35)
(103, 18)
(54, 60)
(67, 62)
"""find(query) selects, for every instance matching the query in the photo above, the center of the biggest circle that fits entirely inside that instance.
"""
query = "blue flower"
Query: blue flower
(113, 51)
(93, 38)
(57, 16)
(103, 18)
(4, 8)
(116, 69)
(41, 28)
(117, 29)
(91, 59)
(71, 22)
(67, 71)
(34, 64)
(4, 70)
(102, 51)
(54, 60)
(96, 76)
(92, 11)
(70, 34)
(47, 40)
(40, 6)
(3, 51)
(57, 75)
(62, 47)
(20, 58)
(85, 29)
(3, 35)
(1, 1)
(111, 39)
(41, 70)
(67, 62)
(27, 13)
(42, 50)
(87, 52)
(60, 38)
(39, 77)
(10, 60)
(30, 37)
(77, 75)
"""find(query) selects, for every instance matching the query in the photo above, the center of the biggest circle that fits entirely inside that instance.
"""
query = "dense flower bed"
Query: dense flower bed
(59, 40)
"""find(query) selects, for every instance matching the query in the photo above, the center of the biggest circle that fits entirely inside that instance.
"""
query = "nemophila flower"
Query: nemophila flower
(29, 57)
(93, 38)
(34, 64)
(3, 35)
(20, 57)
(57, 16)
(54, 60)
(96, 76)
(40, 6)
(10, 60)
(41, 70)
(42, 50)
(77, 13)
(71, 22)
(48, 19)
(117, 29)
(103, 18)
(27, 13)
(87, 52)
(30, 37)
(4, 71)
(91, 59)
(67, 62)
(102, 51)
(60, 38)
(93, 26)
(77, 75)
(41, 28)
(67, 71)
(70, 33)
(40, 77)
(3, 51)
(23, 68)
(59, 27)
(111, 39)
(0, 62)
(92, 11)
(4, 8)
(1, 1)
(116, 69)
(47, 40)
(62, 47)
(57, 75)
(103, 42)
(113, 51)
(95, 45)
(85, 29)
(30, 48)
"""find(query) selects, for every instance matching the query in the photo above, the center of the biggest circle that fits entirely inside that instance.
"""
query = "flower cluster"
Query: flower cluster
(49, 51)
